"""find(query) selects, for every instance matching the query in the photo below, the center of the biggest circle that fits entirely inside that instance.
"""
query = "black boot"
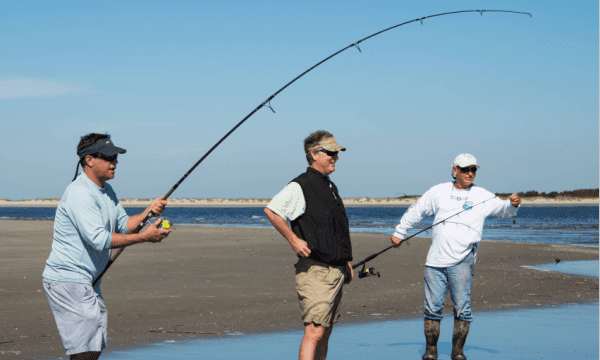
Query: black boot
(461, 330)
(432, 333)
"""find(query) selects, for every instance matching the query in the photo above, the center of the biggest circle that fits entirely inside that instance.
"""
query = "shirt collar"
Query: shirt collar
(89, 183)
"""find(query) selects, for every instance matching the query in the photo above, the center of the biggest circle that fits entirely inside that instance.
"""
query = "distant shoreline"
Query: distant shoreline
(350, 202)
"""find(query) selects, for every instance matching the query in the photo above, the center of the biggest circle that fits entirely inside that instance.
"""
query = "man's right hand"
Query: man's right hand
(154, 234)
(300, 247)
(396, 241)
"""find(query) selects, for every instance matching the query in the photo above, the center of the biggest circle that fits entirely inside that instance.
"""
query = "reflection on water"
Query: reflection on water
(567, 332)
(564, 332)
(581, 267)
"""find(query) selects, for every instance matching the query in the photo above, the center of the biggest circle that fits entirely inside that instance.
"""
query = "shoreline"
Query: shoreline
(203, 281)
(344, 322)
(351, 202)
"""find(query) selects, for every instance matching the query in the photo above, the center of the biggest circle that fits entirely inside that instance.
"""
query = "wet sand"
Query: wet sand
(203, 281)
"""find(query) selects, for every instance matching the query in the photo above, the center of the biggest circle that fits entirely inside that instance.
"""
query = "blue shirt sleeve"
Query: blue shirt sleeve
(122, 219)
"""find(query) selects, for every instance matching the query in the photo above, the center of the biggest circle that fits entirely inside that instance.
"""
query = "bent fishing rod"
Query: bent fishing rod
(364, 272)
(267, 103)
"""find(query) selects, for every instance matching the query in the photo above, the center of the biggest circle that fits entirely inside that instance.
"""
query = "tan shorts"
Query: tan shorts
(319, 288)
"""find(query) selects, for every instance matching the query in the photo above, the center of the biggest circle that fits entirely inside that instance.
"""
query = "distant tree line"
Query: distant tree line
(581, 193)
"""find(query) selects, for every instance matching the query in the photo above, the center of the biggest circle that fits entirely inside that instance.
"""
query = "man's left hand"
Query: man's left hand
(515, 200)
(158, 206)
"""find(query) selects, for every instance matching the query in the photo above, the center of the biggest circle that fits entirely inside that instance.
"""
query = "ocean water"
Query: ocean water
(540, 224)
(563, 332)
(581, 267)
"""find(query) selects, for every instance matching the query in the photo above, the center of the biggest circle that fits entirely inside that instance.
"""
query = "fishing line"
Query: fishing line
(364, 272)
(267, 103)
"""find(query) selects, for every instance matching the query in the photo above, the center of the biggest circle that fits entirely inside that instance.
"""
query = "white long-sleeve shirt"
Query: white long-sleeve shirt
(452, 240)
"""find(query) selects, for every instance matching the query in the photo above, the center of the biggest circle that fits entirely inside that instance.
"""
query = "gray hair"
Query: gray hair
(312, 140)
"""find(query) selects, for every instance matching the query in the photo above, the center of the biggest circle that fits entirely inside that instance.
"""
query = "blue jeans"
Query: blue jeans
(458, 279)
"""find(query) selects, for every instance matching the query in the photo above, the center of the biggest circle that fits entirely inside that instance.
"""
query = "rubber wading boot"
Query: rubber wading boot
(461, 330)
(432, 333)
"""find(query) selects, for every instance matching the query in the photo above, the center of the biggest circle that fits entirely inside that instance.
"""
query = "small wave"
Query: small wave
(234, 333)
(27, 218)
(566, 227)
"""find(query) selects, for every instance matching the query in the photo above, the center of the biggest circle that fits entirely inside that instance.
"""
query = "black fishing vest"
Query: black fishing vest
(324, 225)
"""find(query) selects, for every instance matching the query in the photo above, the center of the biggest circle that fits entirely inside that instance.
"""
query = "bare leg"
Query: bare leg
(315, 342)
(323, 345)
(90, 355)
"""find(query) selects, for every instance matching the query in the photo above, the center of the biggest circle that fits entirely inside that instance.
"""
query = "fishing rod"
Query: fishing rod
(267, 103)
(371, 271)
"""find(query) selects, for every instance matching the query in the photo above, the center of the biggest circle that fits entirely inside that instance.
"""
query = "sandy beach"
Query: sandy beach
(203, 281)
(259, 202)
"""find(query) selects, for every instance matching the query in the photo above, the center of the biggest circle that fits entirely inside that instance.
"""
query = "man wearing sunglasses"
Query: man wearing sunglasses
(320, 236)
(89, 222)
(453, 252)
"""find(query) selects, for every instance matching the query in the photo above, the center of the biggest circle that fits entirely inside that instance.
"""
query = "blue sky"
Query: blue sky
(168, 79)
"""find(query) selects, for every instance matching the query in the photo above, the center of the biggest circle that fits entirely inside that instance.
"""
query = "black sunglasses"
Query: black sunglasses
(105, 157)
(330, 153)
(466, 170)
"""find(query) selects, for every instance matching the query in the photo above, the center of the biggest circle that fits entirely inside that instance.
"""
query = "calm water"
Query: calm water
(581, 267)
(565, 332)
(545, 224)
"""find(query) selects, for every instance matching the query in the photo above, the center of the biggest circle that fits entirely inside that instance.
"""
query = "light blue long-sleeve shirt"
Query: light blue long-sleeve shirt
(85, 218)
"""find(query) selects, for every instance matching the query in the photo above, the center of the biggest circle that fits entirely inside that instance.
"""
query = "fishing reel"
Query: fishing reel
(164, 223)
(364, 272)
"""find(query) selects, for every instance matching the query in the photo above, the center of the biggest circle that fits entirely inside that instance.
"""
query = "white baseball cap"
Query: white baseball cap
(464, 160)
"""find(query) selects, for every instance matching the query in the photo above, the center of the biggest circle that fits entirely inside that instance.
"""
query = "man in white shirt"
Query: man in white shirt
(320, 236)
(453, 252)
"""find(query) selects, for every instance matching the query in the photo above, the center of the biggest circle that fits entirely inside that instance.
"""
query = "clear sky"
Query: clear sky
(167, 79)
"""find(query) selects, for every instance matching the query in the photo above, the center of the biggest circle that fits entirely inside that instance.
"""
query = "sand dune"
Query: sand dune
(363, 201)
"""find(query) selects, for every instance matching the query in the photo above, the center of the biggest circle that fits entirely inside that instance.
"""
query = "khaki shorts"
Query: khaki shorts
(319, 288)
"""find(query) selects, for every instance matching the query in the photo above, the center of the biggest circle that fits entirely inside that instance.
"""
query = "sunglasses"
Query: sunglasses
(106, 158)
(330, 153)
(467, 170)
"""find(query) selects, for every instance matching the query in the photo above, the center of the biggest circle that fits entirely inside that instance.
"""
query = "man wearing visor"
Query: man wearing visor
(453, 252)
(320, 236)
(89, 222)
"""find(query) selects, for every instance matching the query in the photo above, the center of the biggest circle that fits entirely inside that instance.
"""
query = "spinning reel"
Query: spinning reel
(364, 272)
